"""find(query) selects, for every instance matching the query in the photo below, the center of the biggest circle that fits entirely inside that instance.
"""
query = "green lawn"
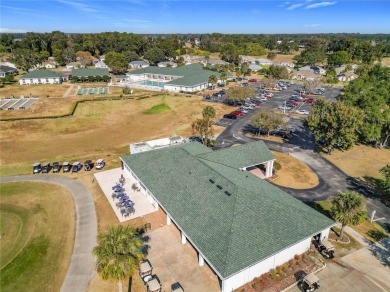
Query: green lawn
(37, 235)
(157, 109)
(371, 231)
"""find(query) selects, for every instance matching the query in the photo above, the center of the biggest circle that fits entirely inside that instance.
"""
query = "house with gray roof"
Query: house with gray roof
(188, 78)
(240, 225)
(138, 64)
(42, 76)
(4, 70)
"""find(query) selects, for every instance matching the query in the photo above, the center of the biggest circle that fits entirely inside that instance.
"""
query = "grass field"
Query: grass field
(36, 236)
(41, 90)
(371, 231)
(294, 174)
(103, 128)
(157, 109)
(360, 161)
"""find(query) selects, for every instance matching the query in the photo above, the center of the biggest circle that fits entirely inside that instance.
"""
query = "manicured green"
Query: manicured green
(234, 218)
(157, 109)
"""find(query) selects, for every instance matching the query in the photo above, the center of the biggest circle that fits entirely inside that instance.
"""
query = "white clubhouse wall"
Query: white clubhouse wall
(272, 262)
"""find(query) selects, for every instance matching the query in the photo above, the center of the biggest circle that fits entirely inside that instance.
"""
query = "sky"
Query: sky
(202, 16)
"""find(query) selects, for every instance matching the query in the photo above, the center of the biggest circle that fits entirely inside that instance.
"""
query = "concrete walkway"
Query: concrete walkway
(67, 93)
(82, 263)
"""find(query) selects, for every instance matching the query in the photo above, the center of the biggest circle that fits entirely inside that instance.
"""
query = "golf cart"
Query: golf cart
(88, 165)
(100, 164)
(310, 283)
(66, 167)
(46, 167)
(37, 167)
(76, 166)
(326, 249)
(56, 167)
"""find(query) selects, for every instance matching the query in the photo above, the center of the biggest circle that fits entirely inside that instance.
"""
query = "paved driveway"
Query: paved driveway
(174, 262)
(366, 270)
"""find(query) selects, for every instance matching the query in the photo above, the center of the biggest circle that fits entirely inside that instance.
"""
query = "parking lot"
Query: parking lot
(278, 99)
(16, 103)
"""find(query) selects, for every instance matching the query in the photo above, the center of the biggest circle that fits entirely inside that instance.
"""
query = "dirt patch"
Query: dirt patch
(293, 173)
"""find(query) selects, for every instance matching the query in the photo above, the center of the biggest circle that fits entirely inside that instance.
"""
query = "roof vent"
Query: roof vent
(212, 181)
(227, 193)
(220, 187)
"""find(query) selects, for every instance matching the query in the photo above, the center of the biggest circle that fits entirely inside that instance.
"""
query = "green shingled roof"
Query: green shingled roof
(189, 75)
(241, 156)
(43, 73)
(85, 72)
(233, 230)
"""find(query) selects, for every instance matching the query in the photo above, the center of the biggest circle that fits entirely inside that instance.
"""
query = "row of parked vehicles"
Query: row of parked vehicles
(67, 166)
(248, 105)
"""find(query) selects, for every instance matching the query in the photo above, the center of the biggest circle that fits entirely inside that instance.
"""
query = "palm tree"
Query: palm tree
(349, 208)
(118, 253)
(213, 79)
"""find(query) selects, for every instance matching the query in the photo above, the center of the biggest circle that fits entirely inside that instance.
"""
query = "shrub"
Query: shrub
(297, 257)
(277, 166)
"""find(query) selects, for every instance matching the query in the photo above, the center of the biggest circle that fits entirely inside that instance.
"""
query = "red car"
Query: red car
(237, 113)
(310, 100)
(252, 80)
(292, 103)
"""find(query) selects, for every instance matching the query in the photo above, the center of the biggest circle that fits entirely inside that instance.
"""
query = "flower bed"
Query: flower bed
(283, 276)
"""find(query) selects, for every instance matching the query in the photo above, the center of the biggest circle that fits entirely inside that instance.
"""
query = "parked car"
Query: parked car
(76, 166)
(46, 167)
(230, 116)
(195, 139)
(237, 113)
(252, 80)
(37, 168)
(100, 164)
(285, 107)
(281, 133)
(88, 165)
(245, 111)
(56, 167)
(66, 167)
(292, 103)
(310, 100)
(302, 112)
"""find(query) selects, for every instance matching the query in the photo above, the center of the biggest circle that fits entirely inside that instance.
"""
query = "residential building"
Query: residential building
(347, 76)
(101, 65)
(263, 61)
(240, 225)
(255, 67)
(4, 70)
(42, 76)
(48, 65)
(138, 64)
(189, 78)
(74, 65)
(287, 64)
(8, 64)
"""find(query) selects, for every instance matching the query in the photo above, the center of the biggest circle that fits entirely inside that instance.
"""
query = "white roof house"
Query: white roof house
(164, 64)
(138, 64)
(287, 64)
(74, 65)
(263, 61)
(101, 65)
(255, 67)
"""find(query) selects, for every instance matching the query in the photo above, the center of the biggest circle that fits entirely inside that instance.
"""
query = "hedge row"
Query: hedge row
(73, 108)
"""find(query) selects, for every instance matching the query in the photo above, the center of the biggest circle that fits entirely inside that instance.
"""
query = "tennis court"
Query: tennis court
(92, 91)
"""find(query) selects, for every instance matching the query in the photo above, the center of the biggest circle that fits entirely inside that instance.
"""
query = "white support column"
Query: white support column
(269, 168)
(183, 238)
(168, 220)
(201, 260)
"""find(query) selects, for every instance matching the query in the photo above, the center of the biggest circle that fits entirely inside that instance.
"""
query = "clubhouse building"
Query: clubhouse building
(241, 226)
(188, 78)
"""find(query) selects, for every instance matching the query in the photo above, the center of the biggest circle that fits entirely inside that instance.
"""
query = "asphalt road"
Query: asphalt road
(302, 147)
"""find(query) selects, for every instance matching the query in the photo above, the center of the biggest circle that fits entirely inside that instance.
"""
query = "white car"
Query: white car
(302, 112)
(285, 108)
(245, 107)
(243, 110)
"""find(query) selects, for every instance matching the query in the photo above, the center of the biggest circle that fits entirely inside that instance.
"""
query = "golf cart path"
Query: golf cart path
(82, 263)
